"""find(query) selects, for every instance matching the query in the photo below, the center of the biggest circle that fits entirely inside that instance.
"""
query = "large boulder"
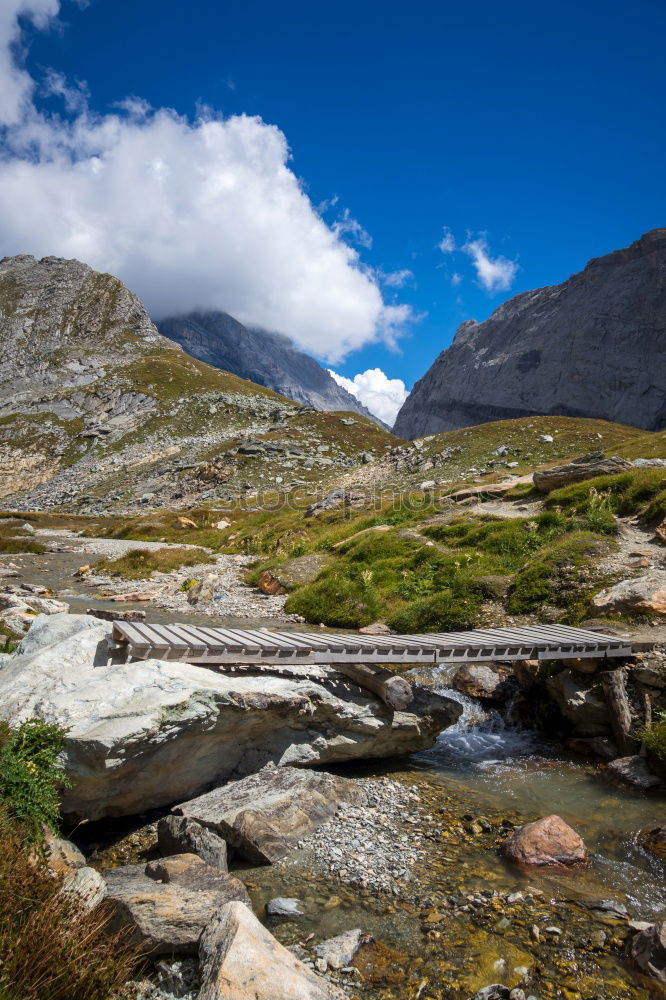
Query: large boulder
(633, 771)
(648, 950)
(586, 467)
(478, 680)
(546, 842)
(148, 733)
(641, 595)
(581, 700)
(241, 960)
(264, 815)
(163, 907)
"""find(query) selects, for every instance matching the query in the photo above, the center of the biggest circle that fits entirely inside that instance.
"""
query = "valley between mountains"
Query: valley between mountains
(251, 832)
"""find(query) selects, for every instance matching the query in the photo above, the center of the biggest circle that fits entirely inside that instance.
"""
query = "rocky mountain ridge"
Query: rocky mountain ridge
(96, 406)
(593, 346)
(269, 359)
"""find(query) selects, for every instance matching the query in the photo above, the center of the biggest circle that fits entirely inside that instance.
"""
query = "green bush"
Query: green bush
(31, 775)
(654, 738)
(336, 600)
(443, 612)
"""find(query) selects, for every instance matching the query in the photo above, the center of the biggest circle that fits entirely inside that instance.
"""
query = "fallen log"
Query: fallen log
(615, 688)
(394, 690)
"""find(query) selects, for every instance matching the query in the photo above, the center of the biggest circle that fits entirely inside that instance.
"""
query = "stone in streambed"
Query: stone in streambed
(648, 950)
(339, 951)
(633, 771)
(178, 834)
(145, 734)
(546, 841)
(654, 841)
(284, 906)
(241, 960)
(265, 815)
(168, 914)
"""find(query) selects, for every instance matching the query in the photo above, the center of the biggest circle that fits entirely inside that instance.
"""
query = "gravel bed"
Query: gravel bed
(374, 846)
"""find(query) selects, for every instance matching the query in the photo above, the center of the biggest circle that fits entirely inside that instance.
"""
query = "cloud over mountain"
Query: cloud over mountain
(383, 396)
(195, 214)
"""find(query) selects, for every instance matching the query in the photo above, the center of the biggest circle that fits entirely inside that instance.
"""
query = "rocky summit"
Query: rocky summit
(593, 346)
(269, 359)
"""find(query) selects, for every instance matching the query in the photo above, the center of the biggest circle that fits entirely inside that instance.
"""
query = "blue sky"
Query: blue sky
(540, 126)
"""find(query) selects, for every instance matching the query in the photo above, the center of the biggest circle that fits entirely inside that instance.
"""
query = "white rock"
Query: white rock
(147, 733)
(88, 885)
(241, 960)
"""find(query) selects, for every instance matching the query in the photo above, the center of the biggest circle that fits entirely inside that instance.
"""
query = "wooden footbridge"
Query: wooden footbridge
(361, 657)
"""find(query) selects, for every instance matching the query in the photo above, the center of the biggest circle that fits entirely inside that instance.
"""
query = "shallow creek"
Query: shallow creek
(448, 928)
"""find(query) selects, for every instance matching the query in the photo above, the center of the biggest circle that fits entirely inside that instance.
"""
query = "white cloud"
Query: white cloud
(190, 214)
(495, 273)
(383, 396)
(394, 279)
(447, 244)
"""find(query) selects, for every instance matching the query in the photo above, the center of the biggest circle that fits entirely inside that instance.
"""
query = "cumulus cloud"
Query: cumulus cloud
(190, 214)
(495, 274)
(383, 396)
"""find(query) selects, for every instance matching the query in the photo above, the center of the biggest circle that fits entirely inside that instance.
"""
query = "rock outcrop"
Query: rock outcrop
(269, 359)
(586, 467)
(264, 815)
(641, 595)
(593, 346)
(150, 733)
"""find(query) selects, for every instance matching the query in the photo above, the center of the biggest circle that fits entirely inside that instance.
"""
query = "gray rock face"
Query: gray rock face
(150, 733)
(648, 950)
(594, 346)
(264, 815)
(52, 314)
(270, 359)
(179, 835)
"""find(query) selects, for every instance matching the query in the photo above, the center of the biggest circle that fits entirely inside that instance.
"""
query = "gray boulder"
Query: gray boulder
(180, 835)
(265, 815)
(339, 951)
(241, 960)
(604, 327)
(148, 733)
(87, 884)
(581, 700)
(633, 771)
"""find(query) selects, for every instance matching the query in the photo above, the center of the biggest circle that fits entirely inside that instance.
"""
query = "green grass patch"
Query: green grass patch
(139, 564)
(635, 493)
(560, 574)
(31, 775)
(654, 738)
(15, 540)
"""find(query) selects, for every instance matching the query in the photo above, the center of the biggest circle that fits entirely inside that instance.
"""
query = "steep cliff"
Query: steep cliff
(269, 359)
(594, 346)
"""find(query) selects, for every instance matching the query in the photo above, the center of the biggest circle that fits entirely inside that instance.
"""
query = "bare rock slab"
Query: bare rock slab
(264, 815)
(180, 835)
(165, 905)
(241, 960)
(547, 841)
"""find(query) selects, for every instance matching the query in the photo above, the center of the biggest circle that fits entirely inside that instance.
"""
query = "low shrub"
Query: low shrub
(140, 564)
(31, 775)
(635, 493)
(443, 612)
(654, 738)
(51, 948)
(336, 600)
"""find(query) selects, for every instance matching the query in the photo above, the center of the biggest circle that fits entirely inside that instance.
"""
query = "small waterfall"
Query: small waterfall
(481, 737)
